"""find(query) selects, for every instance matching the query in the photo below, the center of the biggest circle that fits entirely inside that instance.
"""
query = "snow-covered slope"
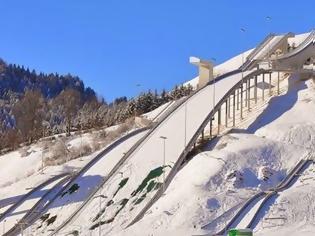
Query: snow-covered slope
(207, 191)
(211, 187)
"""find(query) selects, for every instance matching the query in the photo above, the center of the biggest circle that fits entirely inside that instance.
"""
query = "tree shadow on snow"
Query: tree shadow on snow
(78, 191)
(12, 200)
(86, 185)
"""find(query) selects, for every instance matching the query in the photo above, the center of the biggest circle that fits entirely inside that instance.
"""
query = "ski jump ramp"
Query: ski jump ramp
(154, 158)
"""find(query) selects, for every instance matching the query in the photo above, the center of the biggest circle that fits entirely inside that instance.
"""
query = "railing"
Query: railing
(191, 143)
(76, 175)
(261, 45)
(309, 39)
(251, 56)
(250, 63)
(26, 219)
(137, 145)
(47, 182)
(285, 185)
(267, 195)
(103, 153)
(240, 211)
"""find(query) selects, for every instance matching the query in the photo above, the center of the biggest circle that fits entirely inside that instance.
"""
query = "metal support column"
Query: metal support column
(241, 102)
(234, 109)
(219, 120)
(263, 87)
(211, 127)
(248, 88)
(278, 85)
(245, 93)
(226, 113)
(255, 89)
(269, 84)
(229, 107)
(238, 99)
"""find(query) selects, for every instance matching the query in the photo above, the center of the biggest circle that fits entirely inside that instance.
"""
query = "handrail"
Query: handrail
(100, 155)
(261, 45)
(283, 187)
(263, 193)
(250, 57)
(300, 48)
(137, 145)
(240, 211)
(13, 230)
(190, 144)
(156, 117)
(249, 63)
(106, 150)
(37, 188)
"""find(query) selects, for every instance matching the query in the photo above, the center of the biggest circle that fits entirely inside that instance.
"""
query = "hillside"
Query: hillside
(34, 105)
(236, 153)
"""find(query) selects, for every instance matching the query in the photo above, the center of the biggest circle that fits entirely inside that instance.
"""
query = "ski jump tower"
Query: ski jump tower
(205, 70)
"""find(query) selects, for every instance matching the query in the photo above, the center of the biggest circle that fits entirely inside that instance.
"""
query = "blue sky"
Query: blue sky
(115, 45)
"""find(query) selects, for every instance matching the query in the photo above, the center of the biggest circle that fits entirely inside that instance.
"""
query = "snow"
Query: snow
(209, 189)
(158, 112)
(229, 65)
(63, 207)
(264, 51)
(136, 169)
(286, 214)
(298, 39)
(22, 209)
(279, 143)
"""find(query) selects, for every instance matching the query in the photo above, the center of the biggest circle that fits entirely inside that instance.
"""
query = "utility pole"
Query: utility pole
(100, 208)
(243, 30)
(213, 100)
(164, 144)
(268, 18)
(185, 128)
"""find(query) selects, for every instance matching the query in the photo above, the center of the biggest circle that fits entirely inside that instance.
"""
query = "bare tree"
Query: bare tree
(28, 114)
(69, 102)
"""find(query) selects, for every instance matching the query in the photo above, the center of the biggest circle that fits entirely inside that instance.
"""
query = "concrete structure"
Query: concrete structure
(298, 57)
(282, 46)
(205, 70)
(271, 47)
